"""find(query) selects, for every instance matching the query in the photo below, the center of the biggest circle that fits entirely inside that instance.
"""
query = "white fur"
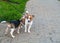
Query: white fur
(3, 21)
(11, 32)
(28, 25)
(27, 12)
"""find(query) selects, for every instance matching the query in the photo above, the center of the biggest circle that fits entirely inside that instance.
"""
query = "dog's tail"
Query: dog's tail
(27, 11)
(3, 22)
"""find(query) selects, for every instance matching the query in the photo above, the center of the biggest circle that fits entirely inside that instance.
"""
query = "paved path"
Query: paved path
(46, 26)
(47, 20)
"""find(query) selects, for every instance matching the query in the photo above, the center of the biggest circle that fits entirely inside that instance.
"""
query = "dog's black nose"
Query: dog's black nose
(28, 20)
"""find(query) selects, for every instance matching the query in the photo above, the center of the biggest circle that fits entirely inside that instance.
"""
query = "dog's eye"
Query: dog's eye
(30, 18)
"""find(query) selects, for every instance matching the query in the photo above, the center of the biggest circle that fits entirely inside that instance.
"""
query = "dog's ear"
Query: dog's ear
(33, 15)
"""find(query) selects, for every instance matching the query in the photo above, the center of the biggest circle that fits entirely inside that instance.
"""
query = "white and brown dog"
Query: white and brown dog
(27, 20)
(13, 25)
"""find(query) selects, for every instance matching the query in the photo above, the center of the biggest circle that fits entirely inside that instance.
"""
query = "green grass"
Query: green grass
(12, 11)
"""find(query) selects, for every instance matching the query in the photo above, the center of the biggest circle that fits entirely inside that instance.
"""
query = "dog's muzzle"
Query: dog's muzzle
(28, 20)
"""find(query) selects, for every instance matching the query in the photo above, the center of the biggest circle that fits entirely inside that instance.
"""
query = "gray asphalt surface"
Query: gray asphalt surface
(46, 26)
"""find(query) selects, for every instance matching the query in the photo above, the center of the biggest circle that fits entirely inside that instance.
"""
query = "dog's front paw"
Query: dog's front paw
(13, 36)
(25, 31)
(29, 32)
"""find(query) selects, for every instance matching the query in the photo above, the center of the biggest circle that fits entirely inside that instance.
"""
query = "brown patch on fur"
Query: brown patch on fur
(27, 16)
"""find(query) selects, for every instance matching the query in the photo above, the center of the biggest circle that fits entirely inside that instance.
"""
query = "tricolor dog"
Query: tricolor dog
(27, 20)
(13, 25)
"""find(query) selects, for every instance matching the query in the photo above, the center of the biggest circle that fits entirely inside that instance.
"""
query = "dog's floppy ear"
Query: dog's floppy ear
(33, 15)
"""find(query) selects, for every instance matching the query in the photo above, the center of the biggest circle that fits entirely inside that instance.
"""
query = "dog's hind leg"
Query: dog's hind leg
(11, 32)
(6, 31)
(8, 26)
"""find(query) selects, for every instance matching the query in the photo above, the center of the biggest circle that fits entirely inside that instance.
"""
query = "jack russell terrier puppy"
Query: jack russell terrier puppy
(27, 20)
(13, 25)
